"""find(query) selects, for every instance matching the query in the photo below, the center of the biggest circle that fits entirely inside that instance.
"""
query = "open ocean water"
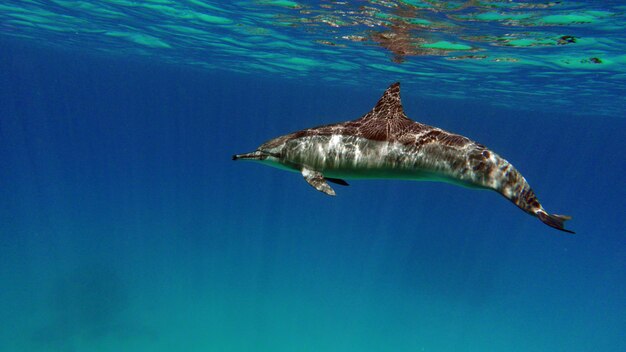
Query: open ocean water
(125, 226)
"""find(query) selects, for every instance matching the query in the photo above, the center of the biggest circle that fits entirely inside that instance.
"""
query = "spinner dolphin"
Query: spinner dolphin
(386, 144)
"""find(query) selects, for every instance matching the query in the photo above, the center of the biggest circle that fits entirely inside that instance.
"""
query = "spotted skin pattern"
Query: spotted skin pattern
(385, 143)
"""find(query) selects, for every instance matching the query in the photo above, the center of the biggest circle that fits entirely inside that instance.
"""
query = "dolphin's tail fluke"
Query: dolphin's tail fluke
(554, 220)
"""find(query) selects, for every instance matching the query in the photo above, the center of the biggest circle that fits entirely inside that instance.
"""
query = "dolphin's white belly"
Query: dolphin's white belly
(350, 157)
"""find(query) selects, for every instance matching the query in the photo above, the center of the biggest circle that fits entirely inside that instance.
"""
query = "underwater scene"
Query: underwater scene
(165, 184)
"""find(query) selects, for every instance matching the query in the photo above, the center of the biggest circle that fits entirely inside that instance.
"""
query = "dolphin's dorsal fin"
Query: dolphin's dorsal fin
(389, 106)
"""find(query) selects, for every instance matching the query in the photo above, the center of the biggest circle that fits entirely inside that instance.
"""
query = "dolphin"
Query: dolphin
(386, 144)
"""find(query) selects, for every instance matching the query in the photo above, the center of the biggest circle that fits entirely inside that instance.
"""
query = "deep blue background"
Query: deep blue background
(124, 225)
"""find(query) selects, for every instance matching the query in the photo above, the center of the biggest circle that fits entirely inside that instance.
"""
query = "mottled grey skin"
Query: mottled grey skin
(385, 143)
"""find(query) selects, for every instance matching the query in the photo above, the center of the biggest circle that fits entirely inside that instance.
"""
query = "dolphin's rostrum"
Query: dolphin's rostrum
(385, 143)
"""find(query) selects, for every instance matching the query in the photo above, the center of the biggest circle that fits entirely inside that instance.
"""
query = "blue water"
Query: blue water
(125, 226)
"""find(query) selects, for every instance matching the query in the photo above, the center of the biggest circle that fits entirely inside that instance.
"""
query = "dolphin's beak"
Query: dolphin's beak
(257, 155)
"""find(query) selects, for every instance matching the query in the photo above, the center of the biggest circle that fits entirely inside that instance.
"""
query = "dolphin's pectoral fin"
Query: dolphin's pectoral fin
(317, 180)
(337, 181)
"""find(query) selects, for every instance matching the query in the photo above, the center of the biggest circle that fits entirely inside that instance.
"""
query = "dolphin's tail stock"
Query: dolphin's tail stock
(514, 187)
(554, 220)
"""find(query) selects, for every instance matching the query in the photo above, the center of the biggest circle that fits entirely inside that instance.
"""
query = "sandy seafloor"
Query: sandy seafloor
(125, 226)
